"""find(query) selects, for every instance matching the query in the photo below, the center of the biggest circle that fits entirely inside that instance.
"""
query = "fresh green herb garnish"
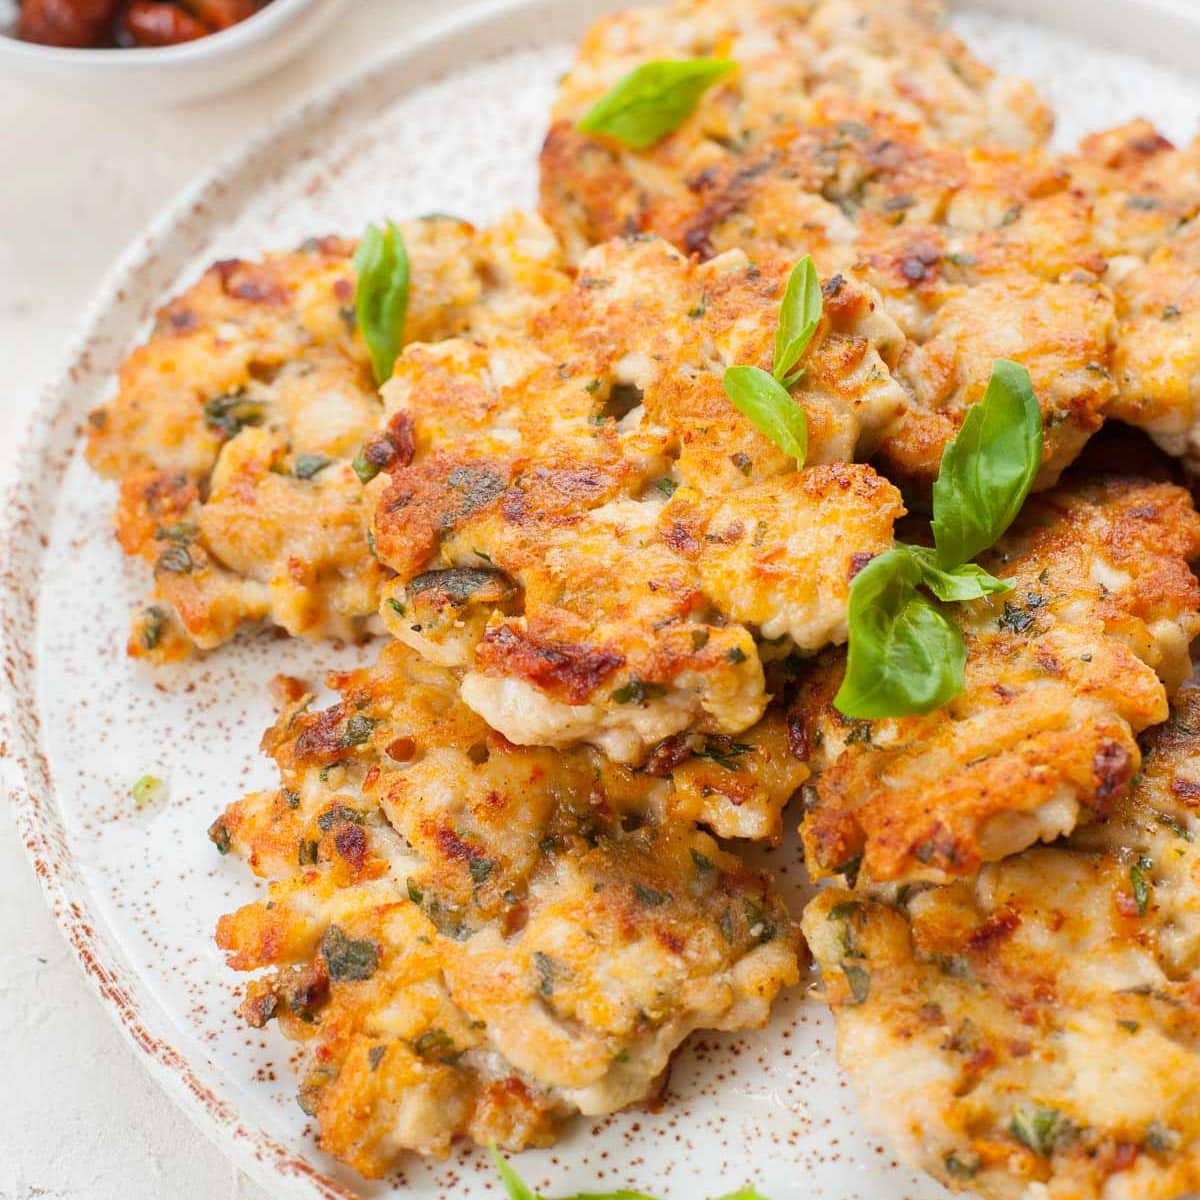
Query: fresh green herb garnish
(859, 980)
(381, 296)
(987, 470)
(438, 1045)
(148, 790)
(175, 560)
(358, 730)
(348, 959)
(763, 399)
(653, 100)
(966, 582)
(1139, 877)
(906, 655)
(481, 868)
(518, 1189)
(1035, 1126)
(637, 691)
(218, 834)
(514, 1185)
(799, 316)
(308, 465)
(963, 1164)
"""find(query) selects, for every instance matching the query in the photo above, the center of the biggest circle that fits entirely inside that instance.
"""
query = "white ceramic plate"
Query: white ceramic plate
(451, 122)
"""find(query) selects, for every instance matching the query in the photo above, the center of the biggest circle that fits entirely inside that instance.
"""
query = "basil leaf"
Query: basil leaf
(968, 582)
(514, 1185)
(381, 296)
(610, 1196)
(765, 402)
(987, 470)
(518, 1189)
(799, 316)
(653, 100)
(906, 656)
(1035, 1126)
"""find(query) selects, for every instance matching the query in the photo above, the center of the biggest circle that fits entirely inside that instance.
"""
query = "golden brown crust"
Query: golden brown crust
(473, 939)
(1062, 673)
(979, 250)
(1146, 196)
(976, 256)
(648, 530)
(1038, 1026)
(253, 396)
(886, 56)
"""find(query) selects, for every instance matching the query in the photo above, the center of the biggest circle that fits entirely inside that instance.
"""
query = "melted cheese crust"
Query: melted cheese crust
(235, 426)
(1036, 1030)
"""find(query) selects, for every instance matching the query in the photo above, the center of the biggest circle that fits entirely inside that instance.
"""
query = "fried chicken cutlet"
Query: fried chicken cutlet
(235, 427)
(1035, 1030)
(792, 58)
(1062, 673)
(586, 523)
(980, 251)
(476, 939)
(1146, 194)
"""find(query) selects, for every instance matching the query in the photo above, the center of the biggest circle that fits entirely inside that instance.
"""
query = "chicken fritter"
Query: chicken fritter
(978, 255)
(1062, 672)
(979, 251)
(1147, 198)
(888, 55)
(477, 939)
(235, 427)
(583, 519)
(1036, 1030)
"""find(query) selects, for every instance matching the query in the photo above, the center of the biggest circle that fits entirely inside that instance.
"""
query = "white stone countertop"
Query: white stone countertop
(81, 1118)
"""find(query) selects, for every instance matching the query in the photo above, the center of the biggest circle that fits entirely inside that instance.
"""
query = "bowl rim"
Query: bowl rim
(267, 21)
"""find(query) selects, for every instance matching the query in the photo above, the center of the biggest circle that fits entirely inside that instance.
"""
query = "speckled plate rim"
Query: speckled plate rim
(1158, 30)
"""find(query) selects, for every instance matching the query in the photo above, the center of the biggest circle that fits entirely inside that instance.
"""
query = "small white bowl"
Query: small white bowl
(172, 74)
